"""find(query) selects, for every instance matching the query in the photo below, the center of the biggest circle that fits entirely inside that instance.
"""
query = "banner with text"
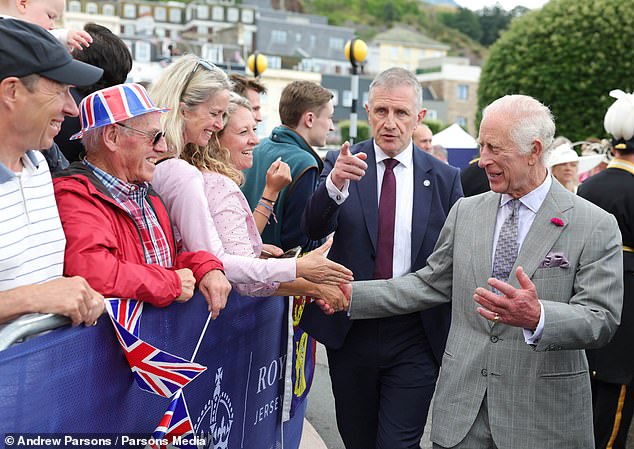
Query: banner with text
(77, 380)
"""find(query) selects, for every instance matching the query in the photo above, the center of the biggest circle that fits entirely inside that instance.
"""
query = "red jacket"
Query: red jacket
(103, 244)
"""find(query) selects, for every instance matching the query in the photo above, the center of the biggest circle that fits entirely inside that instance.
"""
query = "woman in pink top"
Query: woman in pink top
(201, 187)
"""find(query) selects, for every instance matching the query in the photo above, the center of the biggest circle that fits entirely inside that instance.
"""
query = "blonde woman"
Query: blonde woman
(201, 191)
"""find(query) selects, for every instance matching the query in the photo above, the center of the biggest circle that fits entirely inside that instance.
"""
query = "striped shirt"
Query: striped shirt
(133, 199)
(31, 236)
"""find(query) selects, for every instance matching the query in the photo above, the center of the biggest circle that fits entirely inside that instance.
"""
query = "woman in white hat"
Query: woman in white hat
(566, 165)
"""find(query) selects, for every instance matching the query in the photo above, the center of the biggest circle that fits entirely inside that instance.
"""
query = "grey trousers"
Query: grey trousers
(479, 436)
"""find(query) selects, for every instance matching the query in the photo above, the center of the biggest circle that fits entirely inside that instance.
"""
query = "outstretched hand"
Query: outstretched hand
(348, 167)
(78, 40)
(514, 306)
(316, 268)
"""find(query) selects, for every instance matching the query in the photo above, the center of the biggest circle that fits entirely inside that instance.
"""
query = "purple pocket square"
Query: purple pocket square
(554, 260)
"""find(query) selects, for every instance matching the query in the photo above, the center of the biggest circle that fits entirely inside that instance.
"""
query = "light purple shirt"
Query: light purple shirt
(529, 205)
(210, 213)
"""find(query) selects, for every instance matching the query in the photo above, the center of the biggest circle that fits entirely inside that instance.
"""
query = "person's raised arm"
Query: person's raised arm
(278, 176)
(348, 167)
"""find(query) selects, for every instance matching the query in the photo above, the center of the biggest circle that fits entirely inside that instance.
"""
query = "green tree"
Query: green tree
(465, 21)
(363, 130)
(492, 22)
(434, 125)
(569, 55)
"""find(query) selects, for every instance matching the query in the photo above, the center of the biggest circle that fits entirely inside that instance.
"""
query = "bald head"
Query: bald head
(422, 137)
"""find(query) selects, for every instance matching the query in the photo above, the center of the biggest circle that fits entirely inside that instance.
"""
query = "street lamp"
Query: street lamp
(355, 50)
(257, 63)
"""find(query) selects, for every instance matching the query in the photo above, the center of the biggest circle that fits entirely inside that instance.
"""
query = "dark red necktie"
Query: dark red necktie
(387, 213)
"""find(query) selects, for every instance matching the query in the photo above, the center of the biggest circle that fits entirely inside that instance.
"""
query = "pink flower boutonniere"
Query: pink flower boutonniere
(557, 221)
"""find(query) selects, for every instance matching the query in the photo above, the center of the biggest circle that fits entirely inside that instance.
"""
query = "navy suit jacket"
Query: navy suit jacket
(355, 223)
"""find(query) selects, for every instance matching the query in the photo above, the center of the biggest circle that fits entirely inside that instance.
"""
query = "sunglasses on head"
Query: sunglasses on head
(155, 137)
(200, 63)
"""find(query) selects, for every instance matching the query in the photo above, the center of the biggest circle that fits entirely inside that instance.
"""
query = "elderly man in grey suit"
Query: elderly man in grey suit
(546, 274)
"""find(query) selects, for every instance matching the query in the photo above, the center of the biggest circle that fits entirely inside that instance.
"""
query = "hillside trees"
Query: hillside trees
(569, 55)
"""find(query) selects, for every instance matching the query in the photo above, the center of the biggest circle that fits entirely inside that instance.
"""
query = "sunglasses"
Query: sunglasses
(200, 63)
(155, 137)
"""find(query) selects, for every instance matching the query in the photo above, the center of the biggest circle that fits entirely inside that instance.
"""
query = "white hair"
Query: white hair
(533, 121)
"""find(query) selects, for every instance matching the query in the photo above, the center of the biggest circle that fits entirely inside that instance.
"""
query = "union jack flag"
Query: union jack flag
(155, 371)
(175, 423)
(113, 104)
(127, 312)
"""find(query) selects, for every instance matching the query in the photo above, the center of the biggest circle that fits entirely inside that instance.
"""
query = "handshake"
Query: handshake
(338, 301)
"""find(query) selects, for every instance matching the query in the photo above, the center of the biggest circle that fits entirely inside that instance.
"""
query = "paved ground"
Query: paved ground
(321, 413)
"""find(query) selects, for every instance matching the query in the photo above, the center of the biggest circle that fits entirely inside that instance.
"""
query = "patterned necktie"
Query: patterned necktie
(506, 249)
(387, 215)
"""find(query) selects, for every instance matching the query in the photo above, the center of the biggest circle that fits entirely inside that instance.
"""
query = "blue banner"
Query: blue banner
(77, 380)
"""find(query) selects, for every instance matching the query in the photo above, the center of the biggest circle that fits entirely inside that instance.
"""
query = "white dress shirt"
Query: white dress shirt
(529, 205)
(404, 174)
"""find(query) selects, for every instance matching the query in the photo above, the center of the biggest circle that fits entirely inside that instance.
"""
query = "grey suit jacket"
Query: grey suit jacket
(538, 397)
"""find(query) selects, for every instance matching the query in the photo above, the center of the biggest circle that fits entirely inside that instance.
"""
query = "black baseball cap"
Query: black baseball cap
(26, 48)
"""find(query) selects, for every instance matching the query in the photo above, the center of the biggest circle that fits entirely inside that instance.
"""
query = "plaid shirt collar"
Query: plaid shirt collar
(120, 190)
(133, 199)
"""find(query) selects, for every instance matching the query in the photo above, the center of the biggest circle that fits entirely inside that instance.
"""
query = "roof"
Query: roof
(408, 37)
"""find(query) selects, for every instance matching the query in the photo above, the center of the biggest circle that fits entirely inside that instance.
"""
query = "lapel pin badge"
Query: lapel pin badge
(426, 182)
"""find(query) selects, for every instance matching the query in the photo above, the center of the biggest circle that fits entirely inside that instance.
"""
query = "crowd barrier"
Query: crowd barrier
(77, 380)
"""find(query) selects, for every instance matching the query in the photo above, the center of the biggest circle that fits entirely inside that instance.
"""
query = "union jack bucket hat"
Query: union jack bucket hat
(112, 105)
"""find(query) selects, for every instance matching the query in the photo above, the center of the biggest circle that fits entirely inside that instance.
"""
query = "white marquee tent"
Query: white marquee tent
(461, 147)
(454, 137)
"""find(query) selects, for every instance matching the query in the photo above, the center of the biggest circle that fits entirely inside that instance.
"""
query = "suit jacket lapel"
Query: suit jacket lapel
(483, 238)
(367, 192)
(422, 201)
(543, 234)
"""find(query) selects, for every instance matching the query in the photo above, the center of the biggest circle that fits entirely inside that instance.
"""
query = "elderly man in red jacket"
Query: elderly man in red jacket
(119, 235)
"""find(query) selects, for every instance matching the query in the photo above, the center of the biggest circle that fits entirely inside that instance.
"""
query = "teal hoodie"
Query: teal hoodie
(302, 159)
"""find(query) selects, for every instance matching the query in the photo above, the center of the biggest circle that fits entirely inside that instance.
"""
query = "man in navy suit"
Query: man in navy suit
(383, 371)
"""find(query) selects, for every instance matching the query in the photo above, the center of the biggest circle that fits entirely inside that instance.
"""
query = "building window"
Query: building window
(202, 30)
(247, 16)
(366, 95)
(275, 62)
(175, 15)
(129, 11)
(278, 37)
(218, 13)
(462, 121)
(160, 14)
(233, 15)
(346, 98)
(108, 10)
(462, 92)
(128, 30)
(142, 51)
(145, 10)
(335, 43)
(313, 41)
(202, 12)
(91, 8)
(394, 52)
(74, 6)
(335, 97)
(298, 37)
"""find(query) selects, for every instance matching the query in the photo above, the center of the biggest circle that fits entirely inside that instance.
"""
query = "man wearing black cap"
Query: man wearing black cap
(36, 72)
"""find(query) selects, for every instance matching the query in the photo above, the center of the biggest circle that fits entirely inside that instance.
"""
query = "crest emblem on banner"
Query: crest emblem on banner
(220, 418)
